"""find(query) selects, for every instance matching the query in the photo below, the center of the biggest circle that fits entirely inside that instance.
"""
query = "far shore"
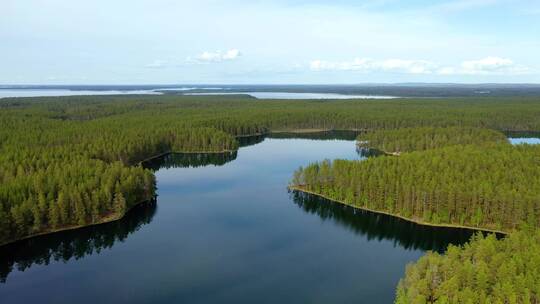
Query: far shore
(313, 130)
(184, 152)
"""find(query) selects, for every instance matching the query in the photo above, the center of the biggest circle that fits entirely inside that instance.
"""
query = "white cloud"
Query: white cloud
(217, 56)
(231, 54)
(408, 66)
(486, 66)
(370, 65)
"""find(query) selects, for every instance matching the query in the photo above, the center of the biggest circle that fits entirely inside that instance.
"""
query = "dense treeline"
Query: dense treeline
(486, 270)
(416, 139)
(74, 155)
(75, 193)
(73, 244)
(495, 187)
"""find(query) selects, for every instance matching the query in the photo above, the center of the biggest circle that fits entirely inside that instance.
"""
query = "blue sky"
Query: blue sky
(241, 42)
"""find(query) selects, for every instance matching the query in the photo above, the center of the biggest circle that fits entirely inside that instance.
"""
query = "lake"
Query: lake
(225, 229)
(530, 138)
(43, 92)
(4, 93)
(293, 95)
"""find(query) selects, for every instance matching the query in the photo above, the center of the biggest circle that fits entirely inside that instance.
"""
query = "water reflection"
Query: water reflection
(323, 135)
(217, 228)
(380, 226)
(523, 137)
(189, 160)
(73, 244)
(246, 141)
(368, 152)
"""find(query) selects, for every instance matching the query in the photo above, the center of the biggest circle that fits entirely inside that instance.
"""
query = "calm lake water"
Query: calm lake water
(30, 92)
(288, 95)
(517, 138)
(4, 93)
(224, 229)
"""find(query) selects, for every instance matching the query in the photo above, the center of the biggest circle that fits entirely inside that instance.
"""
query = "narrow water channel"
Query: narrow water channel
(225, 229)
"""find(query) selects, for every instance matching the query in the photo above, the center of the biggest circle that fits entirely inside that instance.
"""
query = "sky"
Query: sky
(269, 42)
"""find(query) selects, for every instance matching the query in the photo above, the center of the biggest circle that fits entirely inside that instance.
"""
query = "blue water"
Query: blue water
(225, 229)
(525, 140)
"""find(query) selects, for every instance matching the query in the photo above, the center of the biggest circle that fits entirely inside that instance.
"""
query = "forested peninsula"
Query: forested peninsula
(453, 176)
(68, 162)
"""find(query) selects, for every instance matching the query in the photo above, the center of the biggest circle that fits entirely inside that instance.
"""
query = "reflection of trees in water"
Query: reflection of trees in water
(73, 244)
(522, 134)
(368, 152)
(380, 226)
(324, 135)
(246, 141)
(185, 160)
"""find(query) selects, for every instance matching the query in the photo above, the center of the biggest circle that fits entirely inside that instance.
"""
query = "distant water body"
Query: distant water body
(519, 138)
(287, 95)
(525, 140)
(27, 92)
(335, 91)
(4, 93)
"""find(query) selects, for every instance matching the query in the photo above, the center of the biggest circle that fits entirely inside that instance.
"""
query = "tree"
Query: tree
(119, 203)
(54, 215)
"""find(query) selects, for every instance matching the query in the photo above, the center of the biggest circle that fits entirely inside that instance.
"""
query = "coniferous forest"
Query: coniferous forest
(449, 176)
(68, 162)
(485, 270)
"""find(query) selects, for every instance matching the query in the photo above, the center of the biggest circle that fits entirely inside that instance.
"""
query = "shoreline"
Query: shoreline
(105, 220)
(361, 145)
(180, 152)
(111, 218)
(418, 222)
(297, 131)
(301, 131)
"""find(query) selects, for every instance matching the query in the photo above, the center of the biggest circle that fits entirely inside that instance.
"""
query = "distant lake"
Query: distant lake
(29, 92)
(286, 95)
(530, 141)
(66, 92)
(517, 138)
(225, 229)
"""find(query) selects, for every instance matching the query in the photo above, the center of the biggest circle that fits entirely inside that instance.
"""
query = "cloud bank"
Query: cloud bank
(370, 65)
(217, 56)
(486, 66)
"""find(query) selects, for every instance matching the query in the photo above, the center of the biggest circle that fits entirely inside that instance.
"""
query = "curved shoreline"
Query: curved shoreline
(181, 152)
(418, 222)
(111, 218)
(105, 220)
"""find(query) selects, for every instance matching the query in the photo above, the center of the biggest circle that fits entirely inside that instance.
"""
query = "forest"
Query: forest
(425, 138)
(486, 270)
(73, 161)
(493, 187)
(449, 176)
(68, 162)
